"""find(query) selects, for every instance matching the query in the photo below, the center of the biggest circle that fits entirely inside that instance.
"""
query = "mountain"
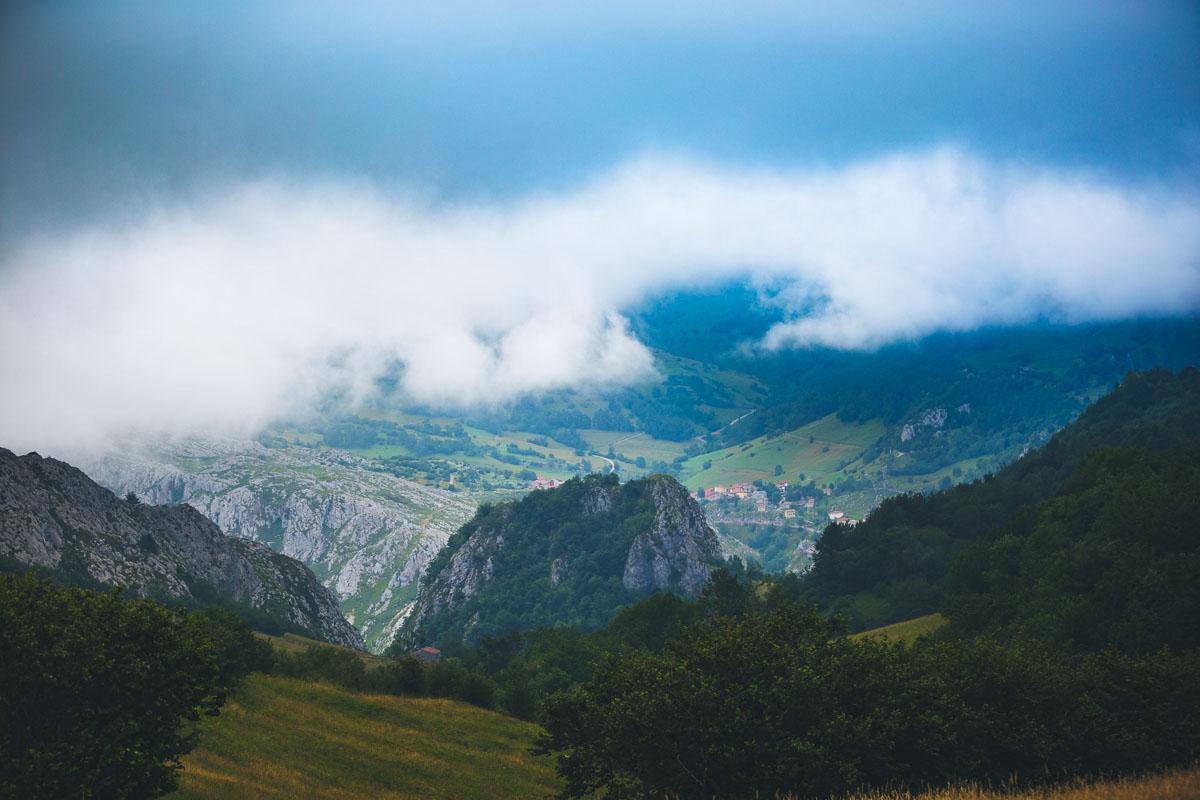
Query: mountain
(366, 534)
(572, 555)
(864, 425)
(54, 518)
(894, 565)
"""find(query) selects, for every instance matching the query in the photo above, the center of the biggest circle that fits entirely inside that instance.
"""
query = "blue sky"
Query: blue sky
(106, 104)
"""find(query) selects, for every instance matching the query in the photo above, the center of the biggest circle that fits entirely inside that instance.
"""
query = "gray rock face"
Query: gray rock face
(366, 534)
(674, 553)
(55, 517)
(933, 419)
(678, 551)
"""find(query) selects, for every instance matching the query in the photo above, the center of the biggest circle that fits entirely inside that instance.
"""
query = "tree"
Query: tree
(97, 689)
(777, 704)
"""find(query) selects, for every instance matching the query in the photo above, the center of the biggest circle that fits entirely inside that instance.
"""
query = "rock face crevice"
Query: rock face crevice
(678, 551)
(367, 535)
(54, 517)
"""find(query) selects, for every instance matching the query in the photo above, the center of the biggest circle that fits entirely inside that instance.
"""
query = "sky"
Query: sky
(213, 214)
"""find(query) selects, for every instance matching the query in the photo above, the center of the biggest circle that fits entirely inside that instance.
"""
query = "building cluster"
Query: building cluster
(545, 483)
(789, 508)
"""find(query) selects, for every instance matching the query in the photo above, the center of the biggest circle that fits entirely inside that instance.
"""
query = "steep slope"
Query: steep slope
(894, 565)
(1111, 561)
(281, 738)
(54, 517)
(567, 556)
(366, 534)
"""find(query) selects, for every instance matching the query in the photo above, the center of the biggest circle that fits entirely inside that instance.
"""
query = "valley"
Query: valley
(638, 401)
(367, 499)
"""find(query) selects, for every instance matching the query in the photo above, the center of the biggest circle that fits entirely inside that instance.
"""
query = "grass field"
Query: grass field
(1175, 785)
(819, 449)
(281, 738)
(908, 631)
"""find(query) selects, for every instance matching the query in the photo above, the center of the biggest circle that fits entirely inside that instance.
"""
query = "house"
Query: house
(789, 513)
(545, 483)
(782, 486)
(809, 502)
(430, 655)
(834, 516)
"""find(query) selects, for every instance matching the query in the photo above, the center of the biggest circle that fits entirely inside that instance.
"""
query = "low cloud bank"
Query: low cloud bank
(274, 297)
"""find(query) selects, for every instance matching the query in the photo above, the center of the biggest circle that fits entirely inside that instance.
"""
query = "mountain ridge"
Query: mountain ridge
(367, 535)
(53, 517)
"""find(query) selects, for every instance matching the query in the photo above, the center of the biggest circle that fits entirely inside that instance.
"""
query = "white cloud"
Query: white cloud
(221, 315)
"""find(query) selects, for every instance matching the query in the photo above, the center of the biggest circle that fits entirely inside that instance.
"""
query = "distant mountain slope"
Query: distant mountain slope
(366, 534)
(54, 517)
(566, 556)
(894, 565)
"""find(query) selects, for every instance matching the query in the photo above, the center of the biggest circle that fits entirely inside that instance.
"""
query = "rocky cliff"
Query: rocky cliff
(366, 534)
(571, 555)
(54, 517)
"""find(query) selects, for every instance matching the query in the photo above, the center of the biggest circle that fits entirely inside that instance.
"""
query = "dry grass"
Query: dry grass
(908, 631)
(288, 739)
(1176, 785)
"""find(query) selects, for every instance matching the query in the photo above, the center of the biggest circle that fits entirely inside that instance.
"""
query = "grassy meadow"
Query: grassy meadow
(907, 631)
(288, 739)
(1176, 785)
(819, 449)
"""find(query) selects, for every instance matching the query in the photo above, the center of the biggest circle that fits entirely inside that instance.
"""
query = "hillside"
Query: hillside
(54, 518)
(281, 738)
(1111, 560)
(894, 565)
(566, 556)
(911, 417)
(367, 535)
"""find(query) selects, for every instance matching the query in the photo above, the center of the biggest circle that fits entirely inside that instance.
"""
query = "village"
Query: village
(778, 500)
(773, 502)
(744, 514)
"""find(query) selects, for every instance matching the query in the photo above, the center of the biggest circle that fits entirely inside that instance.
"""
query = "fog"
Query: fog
(270, 299)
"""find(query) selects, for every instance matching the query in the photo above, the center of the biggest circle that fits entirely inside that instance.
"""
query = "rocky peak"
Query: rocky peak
(54, 517)
(367, 535)
(678, 551)
(649, 534)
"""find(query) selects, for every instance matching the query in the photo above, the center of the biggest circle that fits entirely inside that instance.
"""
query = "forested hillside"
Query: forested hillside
(894, 565)
(569, 556)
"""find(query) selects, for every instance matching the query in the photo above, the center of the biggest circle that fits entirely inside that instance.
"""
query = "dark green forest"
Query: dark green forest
(99, 690)
(894, 566)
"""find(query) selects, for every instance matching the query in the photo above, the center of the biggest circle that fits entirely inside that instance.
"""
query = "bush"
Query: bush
(775, 703)
(97, 689)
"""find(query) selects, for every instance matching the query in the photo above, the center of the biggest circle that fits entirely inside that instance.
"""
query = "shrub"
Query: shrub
(97, 689)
